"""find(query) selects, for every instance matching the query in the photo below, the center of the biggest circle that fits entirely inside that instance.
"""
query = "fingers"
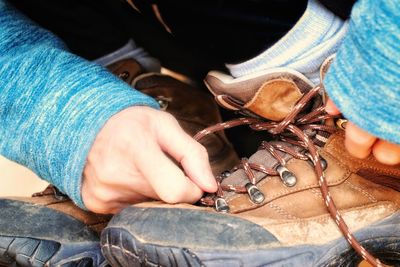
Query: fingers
(133, 159)
(189, 153)
(387, 153)
(331, 108)
(166, 178)
(358, 142)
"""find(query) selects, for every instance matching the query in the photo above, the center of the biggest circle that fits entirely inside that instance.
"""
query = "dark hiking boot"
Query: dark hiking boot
(126, 69)
(49, 230)
(193, 108)
(292, 203)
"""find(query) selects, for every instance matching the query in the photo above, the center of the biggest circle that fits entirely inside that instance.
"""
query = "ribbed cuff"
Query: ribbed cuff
(364, 79)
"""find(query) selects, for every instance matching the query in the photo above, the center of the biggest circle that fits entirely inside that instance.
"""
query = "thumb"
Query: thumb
(331, 108)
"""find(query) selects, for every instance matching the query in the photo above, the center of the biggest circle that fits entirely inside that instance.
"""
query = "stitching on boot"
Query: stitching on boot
(365, 193)
(317, 193)
(282, 212)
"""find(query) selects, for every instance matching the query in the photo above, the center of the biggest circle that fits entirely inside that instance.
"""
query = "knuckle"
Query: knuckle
(107, 171)
(357, 138)
(102, 195)
(361, 140)
(181, 195)
(102, 179)
(177, 195)
(386, 157)
(196, 195)
(358, 153)
(380, 158)
(101, 210)
(203, 151)
(96, 206)
(200, 151)
(172, 197)
(356, 150)
(351, 137)
(169, 118)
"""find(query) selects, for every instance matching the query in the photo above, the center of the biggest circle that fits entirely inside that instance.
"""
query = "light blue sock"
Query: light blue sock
(131, 50)
(315, 36)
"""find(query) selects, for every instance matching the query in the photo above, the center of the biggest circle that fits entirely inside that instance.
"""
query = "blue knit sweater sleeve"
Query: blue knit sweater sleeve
(364, 80)
(52, 103)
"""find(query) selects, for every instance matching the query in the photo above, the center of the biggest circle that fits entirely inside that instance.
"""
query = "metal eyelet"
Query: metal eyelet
(225, 174)
(59, 195)
(221, 205)
(255, 194)
(341, 123)
(163, 102)
(124, 75)
(288, 178)
(324, 162)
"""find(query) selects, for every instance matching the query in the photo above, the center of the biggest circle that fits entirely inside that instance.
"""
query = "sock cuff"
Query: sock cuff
(314, 37)
(131, 50)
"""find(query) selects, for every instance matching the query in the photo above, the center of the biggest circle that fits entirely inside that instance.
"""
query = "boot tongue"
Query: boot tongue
(271, 94)
(261, 157)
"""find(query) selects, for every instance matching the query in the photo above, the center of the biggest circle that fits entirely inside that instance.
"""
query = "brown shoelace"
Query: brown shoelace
(293, 130)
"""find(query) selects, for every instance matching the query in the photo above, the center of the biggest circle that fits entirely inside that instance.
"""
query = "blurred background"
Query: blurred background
(16, 180)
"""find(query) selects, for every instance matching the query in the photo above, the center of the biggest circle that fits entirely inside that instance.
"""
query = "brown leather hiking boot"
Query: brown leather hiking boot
(292, 203)
(193, 108)
(49, 230)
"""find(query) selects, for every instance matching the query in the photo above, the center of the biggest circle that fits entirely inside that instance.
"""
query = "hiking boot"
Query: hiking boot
(193, 108)
(126, 69)
(49, 230)
(291, 203)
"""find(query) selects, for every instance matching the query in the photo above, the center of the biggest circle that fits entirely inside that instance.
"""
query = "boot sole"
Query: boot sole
(57, 254)
(36, 236)
(122, 248)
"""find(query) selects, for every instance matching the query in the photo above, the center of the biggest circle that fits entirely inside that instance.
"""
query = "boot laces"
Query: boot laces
(304, 131)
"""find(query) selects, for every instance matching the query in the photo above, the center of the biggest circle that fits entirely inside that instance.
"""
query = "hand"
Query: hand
(360, 144)
(133, 160)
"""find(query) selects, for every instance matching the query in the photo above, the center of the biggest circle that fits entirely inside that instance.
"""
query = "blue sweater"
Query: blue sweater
(364, 80)
(53, 103)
